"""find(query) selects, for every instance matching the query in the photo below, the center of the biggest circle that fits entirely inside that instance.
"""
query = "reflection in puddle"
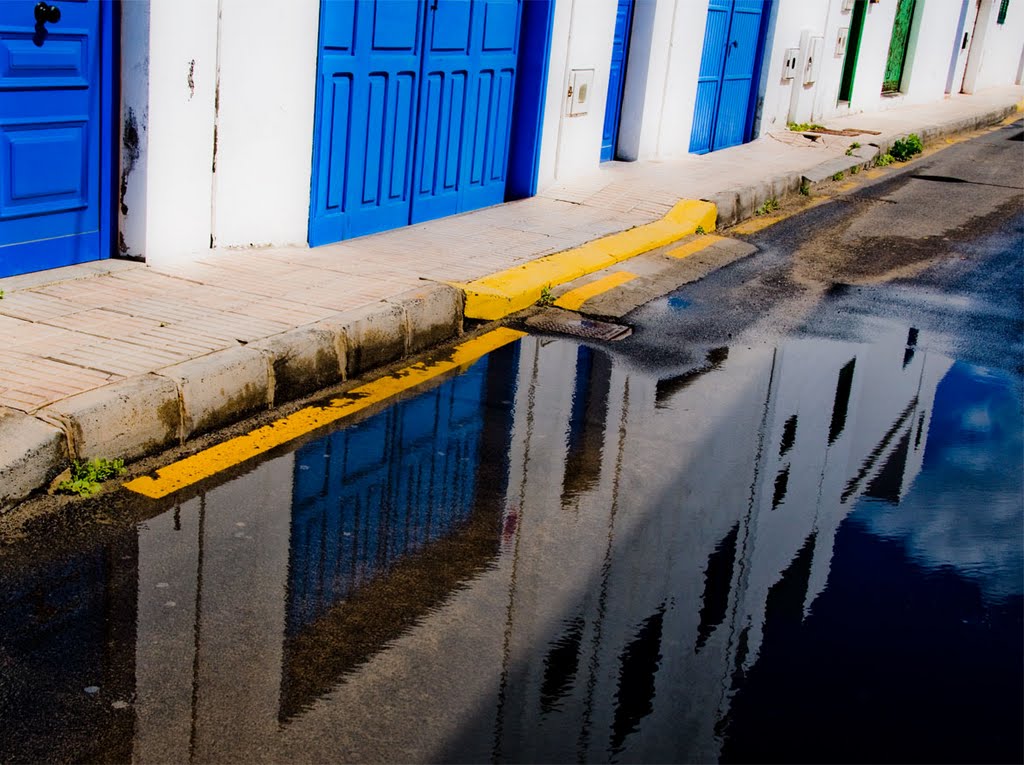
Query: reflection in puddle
(554, 558)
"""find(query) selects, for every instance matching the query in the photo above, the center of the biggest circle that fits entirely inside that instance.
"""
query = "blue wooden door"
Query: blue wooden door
(616, 79)
(727, 80)
(50, 135)
(414, 111)
(469, 75)
(367, 85)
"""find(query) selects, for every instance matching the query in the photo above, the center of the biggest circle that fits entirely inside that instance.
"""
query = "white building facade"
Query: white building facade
(251, 123)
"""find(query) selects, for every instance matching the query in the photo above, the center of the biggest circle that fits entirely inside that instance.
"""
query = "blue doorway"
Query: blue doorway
(616, 79)
(56, 127)
(727, 82)
(414, 111)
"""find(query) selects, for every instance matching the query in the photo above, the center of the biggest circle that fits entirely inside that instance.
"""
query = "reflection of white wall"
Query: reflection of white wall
(225, 565)
(674, 476)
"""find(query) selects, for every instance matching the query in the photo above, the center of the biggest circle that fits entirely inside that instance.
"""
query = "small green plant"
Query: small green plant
(546, 298)
(805, 188)
(700, 231)
(86, 477)
(884, 159)
(855, 169)
(806, 127)
(839, 176)
(1, 294)
(851, 148)
(905, 148)
(770, 205)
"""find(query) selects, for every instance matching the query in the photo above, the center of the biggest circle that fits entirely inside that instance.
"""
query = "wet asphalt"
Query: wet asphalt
(780, 522)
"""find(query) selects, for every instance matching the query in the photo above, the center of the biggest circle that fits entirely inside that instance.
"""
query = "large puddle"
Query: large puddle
(803, 552)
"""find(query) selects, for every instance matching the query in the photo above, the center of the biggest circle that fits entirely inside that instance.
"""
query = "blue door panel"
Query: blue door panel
(706, 102)
(733, 43)
(473, 46)
(443, 109)
(709, 76)
(414, 111)
(367, 86)
(51, 136)
(616, 79)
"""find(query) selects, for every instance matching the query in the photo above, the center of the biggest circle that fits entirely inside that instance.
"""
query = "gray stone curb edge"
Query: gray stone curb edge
(739, 204)
(149, 413)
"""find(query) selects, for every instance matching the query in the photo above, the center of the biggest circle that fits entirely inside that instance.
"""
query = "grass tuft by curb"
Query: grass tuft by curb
(86, 477)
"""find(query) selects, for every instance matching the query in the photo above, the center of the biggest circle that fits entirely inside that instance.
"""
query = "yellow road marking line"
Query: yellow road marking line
(209, 462)
(753, 225)
(574, 299)
(694, 245)
(497, 295)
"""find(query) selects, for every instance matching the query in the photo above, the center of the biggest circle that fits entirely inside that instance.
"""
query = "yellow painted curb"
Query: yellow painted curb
(497, 295)
(698, 244)
(235, 451)
(573, 300)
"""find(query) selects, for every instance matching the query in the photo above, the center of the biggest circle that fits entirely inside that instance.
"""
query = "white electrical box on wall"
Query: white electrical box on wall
(812, 66)
(789, 64)
(841, 38)
(581, 85)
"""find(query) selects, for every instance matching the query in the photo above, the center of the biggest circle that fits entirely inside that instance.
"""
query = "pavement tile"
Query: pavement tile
(34, 306)
(120, 357)
(103, 322)
(235, 327)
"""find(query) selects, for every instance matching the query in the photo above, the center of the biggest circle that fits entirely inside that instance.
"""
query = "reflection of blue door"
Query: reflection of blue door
(616, 79)
(727, 82)
(51, 172)
(414, 110)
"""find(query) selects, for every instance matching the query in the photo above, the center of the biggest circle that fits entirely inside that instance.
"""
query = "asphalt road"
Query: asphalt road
(159, 628)
(945, 232)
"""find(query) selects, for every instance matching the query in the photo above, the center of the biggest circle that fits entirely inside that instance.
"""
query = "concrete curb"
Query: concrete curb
(497, 295)
(147, 414)
(32, 453)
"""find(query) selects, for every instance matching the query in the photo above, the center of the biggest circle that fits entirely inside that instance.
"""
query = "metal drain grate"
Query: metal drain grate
(568, 323)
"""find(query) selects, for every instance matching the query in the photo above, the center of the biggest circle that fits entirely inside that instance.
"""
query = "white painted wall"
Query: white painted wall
(646, 87)
(930, 51)
(268, 54)
(168, 85)
(789, 100)
(182, 43)
(581, 39)
(996, 55)
(132, 180)
(265, 52)
(263, 115)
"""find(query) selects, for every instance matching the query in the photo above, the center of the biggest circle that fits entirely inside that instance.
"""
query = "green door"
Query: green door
(898, 46)
(852, 50)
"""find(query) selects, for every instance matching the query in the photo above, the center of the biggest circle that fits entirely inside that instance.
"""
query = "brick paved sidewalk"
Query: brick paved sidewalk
(76, 329)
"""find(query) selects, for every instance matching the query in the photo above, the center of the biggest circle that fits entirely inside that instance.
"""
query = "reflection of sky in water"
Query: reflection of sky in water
(677, 303)
(965, 508)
